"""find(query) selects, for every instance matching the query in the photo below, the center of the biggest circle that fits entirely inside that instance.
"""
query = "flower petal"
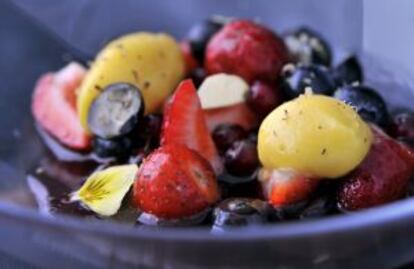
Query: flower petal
(104, 190)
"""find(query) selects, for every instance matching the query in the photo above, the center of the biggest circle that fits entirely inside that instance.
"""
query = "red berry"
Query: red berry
(175, 182)
(190, 62)
(54, 106)
(381, 178)
(403, 125)
(225, 135)
(241, 158)
(246, 49)
(184, 123)
(286, 187)
(263, 98)
(240, 114)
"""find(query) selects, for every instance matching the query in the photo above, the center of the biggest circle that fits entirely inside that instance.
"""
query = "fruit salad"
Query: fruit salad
(234, 125)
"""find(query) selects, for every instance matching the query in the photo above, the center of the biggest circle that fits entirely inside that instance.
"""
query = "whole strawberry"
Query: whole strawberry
(175, 182)
(246, 49)
(382, 177)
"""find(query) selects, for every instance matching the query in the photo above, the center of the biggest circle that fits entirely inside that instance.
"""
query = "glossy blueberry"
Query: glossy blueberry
(119, 148)
(200, 34)
(319, 207)
(241, 158)
(308, 47)
(315, 77)
(240, 212)
(152, 220)
(348, 72)
(116, 111)
(226, 134)
(290, 212)
(367, 102)
(197, 76)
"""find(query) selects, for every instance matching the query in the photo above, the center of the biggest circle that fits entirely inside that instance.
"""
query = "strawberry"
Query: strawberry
(382, 177)
(54, 106)
(175, 182)
(190, 62)
(248, 50)
(286, 187)
(184, 123)
(238, 114)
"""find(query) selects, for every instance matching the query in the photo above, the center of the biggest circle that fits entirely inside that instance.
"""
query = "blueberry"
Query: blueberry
(152, 220)
(197, 76)
(367, 102)
(200, 34)
(315, 77)
(116, 111)
(226, 134)
(308, 47)
(319, 207)
(289, 212)
(240, 212)
(241, 158)
(348, 72)
(119, 148)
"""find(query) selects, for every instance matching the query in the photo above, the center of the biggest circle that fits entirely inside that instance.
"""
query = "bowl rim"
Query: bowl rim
(382, 217)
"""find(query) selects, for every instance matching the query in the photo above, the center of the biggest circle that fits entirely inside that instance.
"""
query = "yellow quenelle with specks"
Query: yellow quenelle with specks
(316, 135)
(151, 61)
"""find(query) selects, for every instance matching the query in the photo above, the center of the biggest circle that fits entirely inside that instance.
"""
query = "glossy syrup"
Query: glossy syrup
(59, 173)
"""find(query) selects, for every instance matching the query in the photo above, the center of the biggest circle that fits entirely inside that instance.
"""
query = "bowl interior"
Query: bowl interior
(30, 51)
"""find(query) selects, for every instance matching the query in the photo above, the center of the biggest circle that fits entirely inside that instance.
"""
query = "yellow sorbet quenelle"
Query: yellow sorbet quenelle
(150, 61)
(316, 135)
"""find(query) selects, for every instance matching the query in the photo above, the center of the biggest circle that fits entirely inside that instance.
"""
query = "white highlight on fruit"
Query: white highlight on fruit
(221, 90)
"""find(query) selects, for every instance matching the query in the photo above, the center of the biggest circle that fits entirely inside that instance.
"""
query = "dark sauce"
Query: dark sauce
(60, 172)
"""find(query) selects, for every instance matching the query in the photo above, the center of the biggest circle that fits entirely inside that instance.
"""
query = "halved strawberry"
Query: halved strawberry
(54, 106)
(184, 123)
(286, 187)
(238, 114)
(175, 182)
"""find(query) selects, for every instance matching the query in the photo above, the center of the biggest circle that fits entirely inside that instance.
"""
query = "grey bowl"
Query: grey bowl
(376, 238)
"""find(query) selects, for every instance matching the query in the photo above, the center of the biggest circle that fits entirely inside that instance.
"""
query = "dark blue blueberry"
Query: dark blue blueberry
(240, 212)
(200, 34)
(308, 47)
(348, 72)
(116, 111)
(367, 102)
(119, 148)
(315, 77)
